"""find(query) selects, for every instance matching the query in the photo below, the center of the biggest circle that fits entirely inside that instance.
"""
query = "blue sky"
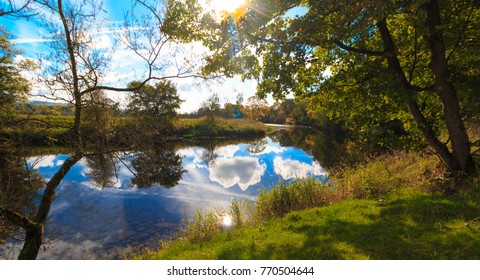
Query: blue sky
(30, 37)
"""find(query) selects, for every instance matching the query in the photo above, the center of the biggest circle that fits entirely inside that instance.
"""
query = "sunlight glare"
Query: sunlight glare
(228, 6)
(227, 221)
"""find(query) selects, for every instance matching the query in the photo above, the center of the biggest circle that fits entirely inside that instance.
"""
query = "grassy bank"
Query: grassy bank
(388, 208)
(205, 128)
(56, 130)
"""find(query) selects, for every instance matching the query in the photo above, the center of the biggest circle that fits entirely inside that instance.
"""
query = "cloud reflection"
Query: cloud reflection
(293, 169)
(45, 161)
(244, 171)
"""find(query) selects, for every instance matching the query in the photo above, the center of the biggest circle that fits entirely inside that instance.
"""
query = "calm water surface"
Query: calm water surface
(107, 203)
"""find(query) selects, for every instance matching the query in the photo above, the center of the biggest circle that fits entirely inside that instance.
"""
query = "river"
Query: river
(111, 202)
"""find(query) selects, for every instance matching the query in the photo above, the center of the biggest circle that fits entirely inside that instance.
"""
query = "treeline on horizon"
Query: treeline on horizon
(286, 111)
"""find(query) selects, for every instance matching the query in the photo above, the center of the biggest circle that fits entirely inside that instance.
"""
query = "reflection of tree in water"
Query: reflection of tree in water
(330, 148)
(19, 186)
(257, 147)
(158, 165)
(208, 154)
(102, 170)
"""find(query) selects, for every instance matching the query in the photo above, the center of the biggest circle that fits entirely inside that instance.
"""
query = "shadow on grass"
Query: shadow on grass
(420, 226)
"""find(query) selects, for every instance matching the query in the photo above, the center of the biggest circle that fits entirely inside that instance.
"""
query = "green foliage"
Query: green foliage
(365, 64)
(298, 195)
(157, 165)
(13, 86)
(408, 225)
(256, 109)
(387, 174)
(154, 107)
(206, 128)
(19, 187)
(25, 108)
(401, 216)
(202, 226)
(98, 113)
(211, 107)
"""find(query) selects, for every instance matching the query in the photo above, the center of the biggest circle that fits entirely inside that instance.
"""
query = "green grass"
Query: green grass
(205, 128)
(390, 207)
(407, 225)
(56, 130)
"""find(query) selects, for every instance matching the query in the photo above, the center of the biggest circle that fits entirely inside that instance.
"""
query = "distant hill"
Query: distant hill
(46, 103)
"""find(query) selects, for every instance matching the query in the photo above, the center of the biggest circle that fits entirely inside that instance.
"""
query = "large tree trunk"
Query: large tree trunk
(460, 158)
(75, 80)
(34, 237)
(33, 241)
(446, 91)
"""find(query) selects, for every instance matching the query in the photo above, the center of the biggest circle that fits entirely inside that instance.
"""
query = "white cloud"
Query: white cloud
(102, 42)
(244, 171)
(293, 169)
(30, 40)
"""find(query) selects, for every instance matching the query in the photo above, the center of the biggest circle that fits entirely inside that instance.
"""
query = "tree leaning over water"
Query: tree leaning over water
(366, 62)
(77, 68)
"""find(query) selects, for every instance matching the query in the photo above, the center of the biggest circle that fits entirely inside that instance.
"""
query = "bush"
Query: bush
(298, 195)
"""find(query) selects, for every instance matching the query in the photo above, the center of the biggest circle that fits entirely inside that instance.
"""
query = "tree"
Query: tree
(13, 86)
(16, 8)
(77, 67)
(211, 107)
(98, 113)
(386, 61)
(256, 109)
(154, 106)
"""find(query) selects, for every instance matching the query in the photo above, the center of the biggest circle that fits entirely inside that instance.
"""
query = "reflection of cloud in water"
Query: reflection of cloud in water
(85, 249)
(44, 161)
(60, 249)
(197, 155)
(244, 171)
(270, 149)
(318, 170)
(227, 151)
(291, 169)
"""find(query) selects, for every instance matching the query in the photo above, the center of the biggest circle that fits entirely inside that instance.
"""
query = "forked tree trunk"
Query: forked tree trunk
(446, 91)
(459, 159)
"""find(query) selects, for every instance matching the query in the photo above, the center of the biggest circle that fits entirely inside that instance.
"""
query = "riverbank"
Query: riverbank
(392, 207)
(48, 131)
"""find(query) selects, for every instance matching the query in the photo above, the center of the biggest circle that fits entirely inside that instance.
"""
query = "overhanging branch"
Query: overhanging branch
(357, 50)
(18, 219)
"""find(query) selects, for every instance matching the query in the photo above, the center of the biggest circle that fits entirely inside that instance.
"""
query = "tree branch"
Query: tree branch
(461, 34)
(356, 50)
(18, 219)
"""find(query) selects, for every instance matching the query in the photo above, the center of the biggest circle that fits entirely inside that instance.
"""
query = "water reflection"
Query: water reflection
(157, 166)
(241, 171)
(102, 170)
(294, 169)
(19, 187)
(115, 200)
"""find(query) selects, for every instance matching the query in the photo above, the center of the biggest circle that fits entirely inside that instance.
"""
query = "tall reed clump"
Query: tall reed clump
(386, 174)
(204, 225)
(297, 195)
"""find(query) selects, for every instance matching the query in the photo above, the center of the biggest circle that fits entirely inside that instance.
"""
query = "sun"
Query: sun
(228, 6)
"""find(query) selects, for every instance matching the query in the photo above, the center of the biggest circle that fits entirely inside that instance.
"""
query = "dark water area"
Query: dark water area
(110, 202)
